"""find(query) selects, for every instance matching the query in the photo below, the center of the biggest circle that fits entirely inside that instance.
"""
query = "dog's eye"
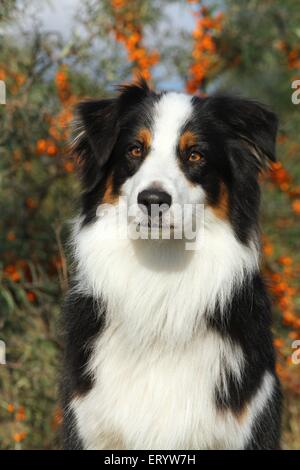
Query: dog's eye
(135, 151)
(194, 156)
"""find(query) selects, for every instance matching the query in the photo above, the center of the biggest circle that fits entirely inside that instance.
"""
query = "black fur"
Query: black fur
(81, 324)
(247, 323)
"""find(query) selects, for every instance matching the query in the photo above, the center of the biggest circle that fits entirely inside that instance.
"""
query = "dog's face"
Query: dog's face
(163, 152)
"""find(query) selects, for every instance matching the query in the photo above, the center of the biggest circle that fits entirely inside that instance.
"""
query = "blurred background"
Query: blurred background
(54, 53)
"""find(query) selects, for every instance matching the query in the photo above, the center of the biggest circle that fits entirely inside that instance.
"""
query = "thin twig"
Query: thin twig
(64, 282)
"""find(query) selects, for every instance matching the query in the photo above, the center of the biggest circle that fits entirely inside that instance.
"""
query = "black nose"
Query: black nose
(154, 197)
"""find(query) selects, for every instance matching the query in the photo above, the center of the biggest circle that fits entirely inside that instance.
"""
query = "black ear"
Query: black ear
(97, 127)
(249, 135)
(133, 93)
(252, 124)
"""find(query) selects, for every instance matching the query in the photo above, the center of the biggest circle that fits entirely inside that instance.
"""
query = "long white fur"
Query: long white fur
(154, 400)
(156, 366)
(156, 288)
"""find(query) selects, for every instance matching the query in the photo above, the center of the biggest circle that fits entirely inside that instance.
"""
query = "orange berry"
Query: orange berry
(15, 277)
(31, 203)
(276, 166)
(294, 335)
(278, 343)
(21, 416)
(31, 296)
(284, 187)
(296, 206)
(11, 236)
(20, 79)
(69, 167)
(10, 408)
(268, 249)
(12, 273)
(41, 146)
(285, 260)
(288, 317)
(51, 149)
(118, 3)
(19, 436)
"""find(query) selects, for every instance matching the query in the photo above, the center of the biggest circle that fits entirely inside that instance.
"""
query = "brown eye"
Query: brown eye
(136, 151)
(194, 156)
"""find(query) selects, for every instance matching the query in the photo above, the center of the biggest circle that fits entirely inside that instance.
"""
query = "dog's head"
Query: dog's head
(169, 150)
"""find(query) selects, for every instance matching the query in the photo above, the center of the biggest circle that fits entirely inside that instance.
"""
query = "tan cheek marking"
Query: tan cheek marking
(144, 136)
(221, 208)
(241, 416)
(109, 197)
(186, 140)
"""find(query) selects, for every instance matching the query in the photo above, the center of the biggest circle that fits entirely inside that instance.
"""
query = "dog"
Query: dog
(167, 345)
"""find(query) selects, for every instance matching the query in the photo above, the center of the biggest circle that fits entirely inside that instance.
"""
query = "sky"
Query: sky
(58, 15)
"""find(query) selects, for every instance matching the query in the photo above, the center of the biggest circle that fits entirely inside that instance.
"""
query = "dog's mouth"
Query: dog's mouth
(161, 228)
(146, 222)
(154, 228)
(155, 224)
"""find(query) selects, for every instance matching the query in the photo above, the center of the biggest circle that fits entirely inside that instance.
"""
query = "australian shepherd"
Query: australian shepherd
(167, 323)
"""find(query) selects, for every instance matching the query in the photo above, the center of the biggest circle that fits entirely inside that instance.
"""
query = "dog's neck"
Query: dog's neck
(157, 288)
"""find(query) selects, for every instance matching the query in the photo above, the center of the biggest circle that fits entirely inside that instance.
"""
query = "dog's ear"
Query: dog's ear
(96, 129)
(249, 136)
(97, 126)
(250, 124)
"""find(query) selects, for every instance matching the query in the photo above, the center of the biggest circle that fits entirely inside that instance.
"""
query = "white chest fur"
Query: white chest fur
(158, 288)
(154, 399)
(155, 366)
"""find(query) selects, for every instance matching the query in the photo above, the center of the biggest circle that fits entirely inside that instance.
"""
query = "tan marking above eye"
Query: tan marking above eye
(187, 139)
(144, 135)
